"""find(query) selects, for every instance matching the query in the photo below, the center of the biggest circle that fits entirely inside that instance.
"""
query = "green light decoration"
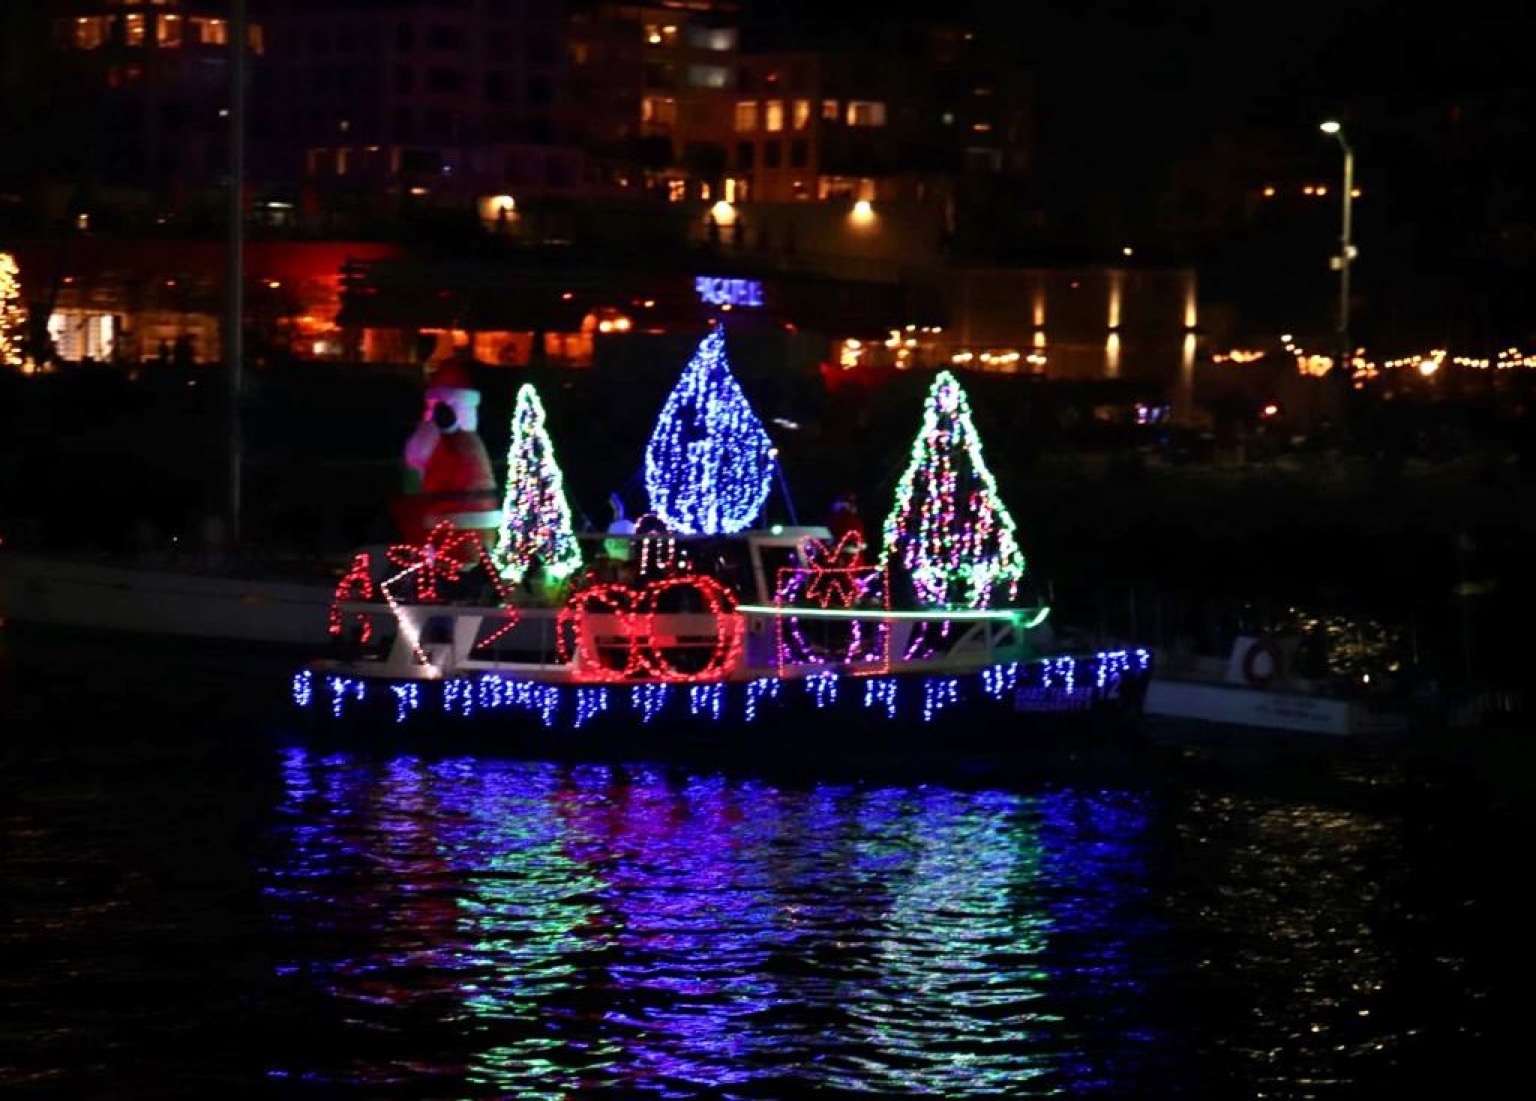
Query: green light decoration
(535, 517)
(949, 529)
(1026, 618)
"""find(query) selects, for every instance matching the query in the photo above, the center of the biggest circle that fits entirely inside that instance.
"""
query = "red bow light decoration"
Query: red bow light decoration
(443, 558)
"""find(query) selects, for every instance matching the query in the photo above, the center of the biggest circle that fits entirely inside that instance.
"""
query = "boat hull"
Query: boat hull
(38, 590)
(1000, 706)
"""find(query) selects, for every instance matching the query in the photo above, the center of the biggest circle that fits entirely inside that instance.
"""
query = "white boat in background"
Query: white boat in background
(1255, 685)
(165, 599)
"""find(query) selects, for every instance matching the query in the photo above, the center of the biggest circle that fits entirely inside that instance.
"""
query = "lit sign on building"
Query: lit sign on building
(728, 292)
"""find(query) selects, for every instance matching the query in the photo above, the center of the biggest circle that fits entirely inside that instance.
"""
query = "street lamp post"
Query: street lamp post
(1346, 248)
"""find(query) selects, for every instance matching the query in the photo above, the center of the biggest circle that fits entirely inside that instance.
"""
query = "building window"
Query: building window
(657, 34)
(168, 31)
(445, 80)
(444, 38)
(802, 114)
(745, 155)
(677, 190)
(773, 115)
(746, 116)
(210, 32)
(711, 38)
(799, 153)
(829, 111)
(659, 110)
(405, 80)
(405, 36)
(708, 76)
(837, 187)
(773, 154)
(90, 32)
(866, 112)
(133, 29)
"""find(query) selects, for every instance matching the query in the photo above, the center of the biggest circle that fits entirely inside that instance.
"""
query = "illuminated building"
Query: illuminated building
(408, 103)
(148, 82)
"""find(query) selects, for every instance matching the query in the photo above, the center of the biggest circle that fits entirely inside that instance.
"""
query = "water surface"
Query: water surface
(215, 906)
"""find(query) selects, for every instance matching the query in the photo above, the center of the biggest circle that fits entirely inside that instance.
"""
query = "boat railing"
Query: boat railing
(437, 639)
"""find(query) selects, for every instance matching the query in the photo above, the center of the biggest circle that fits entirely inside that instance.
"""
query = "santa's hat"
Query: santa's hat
(451, 382)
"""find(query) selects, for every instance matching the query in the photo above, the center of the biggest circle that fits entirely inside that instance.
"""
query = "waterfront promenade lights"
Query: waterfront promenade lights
(1346, 246)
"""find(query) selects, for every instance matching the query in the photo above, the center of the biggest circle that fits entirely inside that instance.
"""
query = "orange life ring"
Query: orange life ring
(1257, 649)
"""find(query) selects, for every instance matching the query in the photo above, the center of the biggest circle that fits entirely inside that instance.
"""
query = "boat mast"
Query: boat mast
(234, 351)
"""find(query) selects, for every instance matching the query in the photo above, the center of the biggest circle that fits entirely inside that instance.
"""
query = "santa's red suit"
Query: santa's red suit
(457, 482)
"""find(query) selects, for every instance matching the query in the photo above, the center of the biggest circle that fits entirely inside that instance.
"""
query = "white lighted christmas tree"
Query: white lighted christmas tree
(535, 517)
(709, 464)
(13, 315)
(949, 529)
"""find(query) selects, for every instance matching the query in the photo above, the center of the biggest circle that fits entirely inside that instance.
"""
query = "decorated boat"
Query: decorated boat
(700, 615)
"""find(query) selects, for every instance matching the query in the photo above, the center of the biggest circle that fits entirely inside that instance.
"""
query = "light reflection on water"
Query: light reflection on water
(597, 928)
(194, 912)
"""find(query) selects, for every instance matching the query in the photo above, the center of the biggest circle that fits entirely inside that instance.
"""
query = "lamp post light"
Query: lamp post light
(1346, 248)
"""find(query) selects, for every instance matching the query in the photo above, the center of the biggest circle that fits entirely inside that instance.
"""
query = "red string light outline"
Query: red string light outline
(355, 584)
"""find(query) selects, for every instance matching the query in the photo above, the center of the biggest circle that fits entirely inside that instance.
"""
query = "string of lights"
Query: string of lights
(709, 463)
(949, 528)
(1068, 681)
(834, 577)
(614, 632)
(13, 314)
(535, 516)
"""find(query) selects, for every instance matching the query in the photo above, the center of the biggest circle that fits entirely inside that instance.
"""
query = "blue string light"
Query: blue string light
(1063, 670)
(1058, 683)
(823, 686)
(545, 699)
(939, 693)
(881, 690)
(649, 699)
(757, 691)
(706, 696)
(709, 463)
(589, 702)
(493, 692)
(407, 699)
(459, 694)
(999, 680)
(341, 687)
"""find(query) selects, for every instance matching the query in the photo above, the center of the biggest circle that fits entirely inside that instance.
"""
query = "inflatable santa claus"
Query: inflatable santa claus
(450, 473)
